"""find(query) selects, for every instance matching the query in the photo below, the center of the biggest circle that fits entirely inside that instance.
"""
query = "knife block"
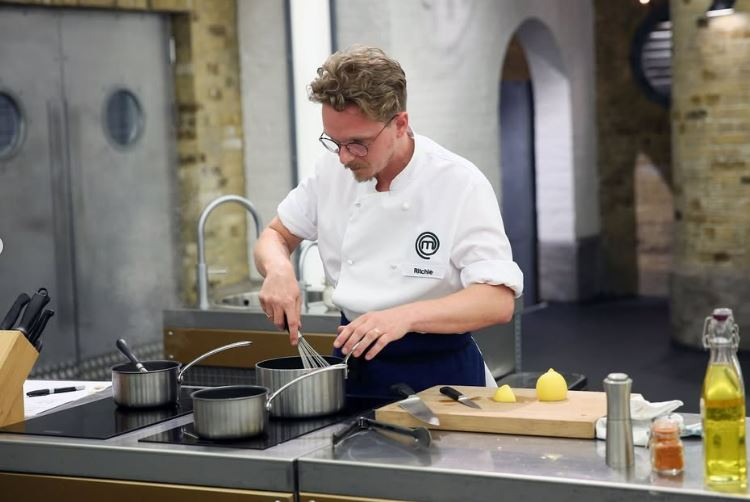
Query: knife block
(17, 358)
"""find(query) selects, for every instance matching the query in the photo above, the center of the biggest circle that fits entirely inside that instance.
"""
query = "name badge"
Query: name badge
(430, 271)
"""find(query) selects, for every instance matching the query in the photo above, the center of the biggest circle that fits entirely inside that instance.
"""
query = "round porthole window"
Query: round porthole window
(651, 55)
(11, 126)
(123, 118)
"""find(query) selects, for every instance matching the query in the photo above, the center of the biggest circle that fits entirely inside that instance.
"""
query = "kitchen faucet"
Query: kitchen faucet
(304, 249)
(202, 270)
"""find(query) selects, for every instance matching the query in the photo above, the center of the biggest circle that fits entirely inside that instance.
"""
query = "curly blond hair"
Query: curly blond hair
(362, 76)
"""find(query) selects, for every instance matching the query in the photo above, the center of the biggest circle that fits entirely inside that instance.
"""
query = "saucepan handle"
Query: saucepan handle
(209, 354)
(334, 367)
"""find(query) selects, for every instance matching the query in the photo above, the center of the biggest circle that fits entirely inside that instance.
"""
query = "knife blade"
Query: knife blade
(461, 398)
(12, 316)
(414, 405)
(32, 312)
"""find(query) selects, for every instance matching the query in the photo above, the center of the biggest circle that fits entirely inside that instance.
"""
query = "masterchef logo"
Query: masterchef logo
(427, 245)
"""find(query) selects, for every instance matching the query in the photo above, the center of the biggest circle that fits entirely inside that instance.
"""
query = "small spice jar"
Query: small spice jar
(666, 447)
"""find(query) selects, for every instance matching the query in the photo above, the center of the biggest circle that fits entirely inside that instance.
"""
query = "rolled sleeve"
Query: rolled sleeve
(495, 272)
(482, 251)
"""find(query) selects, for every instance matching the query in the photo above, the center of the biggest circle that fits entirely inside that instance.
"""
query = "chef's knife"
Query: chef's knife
(32, 312)
(461, 398)
(414, 405)
(12, 315)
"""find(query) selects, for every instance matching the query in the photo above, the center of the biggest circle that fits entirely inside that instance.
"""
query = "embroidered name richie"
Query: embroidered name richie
(423, 271)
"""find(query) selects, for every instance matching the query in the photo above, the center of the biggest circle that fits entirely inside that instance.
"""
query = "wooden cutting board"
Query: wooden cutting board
(571, 418)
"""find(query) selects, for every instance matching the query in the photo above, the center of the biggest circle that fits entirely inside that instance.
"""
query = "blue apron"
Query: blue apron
(421, 360)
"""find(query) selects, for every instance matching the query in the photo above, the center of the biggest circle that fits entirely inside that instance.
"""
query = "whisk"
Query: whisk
(311, 358)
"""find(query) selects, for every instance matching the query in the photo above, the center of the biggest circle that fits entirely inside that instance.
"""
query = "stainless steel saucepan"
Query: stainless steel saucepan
(323, 394)
(238, 411)
(158, 385)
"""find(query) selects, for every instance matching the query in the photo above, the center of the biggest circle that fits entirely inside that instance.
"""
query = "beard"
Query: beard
(359, 171)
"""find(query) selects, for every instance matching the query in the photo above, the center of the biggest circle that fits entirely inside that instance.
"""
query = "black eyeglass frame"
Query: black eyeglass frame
(334, 146)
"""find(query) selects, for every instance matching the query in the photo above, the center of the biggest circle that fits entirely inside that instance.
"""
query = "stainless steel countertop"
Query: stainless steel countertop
(457, 466)
(123, 457)
(476, 466)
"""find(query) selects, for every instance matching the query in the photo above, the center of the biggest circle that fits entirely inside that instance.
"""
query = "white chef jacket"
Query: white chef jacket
(437, 230)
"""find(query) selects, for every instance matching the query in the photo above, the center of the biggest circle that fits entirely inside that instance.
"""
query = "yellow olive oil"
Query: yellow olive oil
(723, 411)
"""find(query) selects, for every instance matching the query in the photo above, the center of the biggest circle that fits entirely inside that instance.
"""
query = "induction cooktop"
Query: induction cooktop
(279, 430)
(101, 419)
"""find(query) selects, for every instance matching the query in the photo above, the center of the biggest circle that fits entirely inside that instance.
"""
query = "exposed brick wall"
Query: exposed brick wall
(210, 145)
(711, 148)
(655, 221)
(629, 125)
(209, 128)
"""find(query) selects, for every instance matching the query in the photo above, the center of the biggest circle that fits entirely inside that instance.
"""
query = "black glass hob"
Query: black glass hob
(101, 419)
(279, 430)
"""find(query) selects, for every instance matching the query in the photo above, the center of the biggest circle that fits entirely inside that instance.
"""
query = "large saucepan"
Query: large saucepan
(158, 385)
(238, 411)
(322, 394)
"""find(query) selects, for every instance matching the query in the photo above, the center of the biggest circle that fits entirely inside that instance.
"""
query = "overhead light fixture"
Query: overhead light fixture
(720, 8)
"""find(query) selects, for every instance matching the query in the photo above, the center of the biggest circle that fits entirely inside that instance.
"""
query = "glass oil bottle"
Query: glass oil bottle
(723, 406)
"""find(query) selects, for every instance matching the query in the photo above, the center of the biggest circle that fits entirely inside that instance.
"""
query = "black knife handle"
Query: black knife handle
(402, 390)
(36, 331)
(14, 311)
(450, 392)
(33, 310)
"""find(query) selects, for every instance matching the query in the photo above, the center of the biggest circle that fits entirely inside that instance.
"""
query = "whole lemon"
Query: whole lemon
(551, 386)
(504, 395)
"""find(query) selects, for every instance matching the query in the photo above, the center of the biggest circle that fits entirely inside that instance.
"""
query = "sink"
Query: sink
(248, 300)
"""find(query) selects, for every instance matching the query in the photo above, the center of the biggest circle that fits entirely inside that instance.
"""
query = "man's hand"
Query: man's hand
(280, 299)
(375, 329)
(279, 296)
(472, 308)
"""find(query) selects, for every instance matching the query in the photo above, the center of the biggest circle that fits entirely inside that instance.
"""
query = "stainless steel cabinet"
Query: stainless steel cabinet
(86, 194)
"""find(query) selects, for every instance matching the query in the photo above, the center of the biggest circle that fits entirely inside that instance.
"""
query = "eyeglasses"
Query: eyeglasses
(356, 148)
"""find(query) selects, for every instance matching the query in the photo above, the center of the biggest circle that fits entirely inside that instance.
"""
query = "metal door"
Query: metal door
(518, 179)
(86, 200)
(33, 224)
(117, 86)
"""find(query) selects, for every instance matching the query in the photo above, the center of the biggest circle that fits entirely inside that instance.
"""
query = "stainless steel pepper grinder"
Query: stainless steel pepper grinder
(619, 426)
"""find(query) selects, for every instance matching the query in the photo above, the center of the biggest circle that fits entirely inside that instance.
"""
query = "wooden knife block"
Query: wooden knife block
(17, 358)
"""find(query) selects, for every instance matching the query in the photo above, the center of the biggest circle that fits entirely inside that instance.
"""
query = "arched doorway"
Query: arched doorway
(561, 175)
(517, 162)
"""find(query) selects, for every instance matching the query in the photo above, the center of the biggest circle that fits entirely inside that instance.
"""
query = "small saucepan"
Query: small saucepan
(158, 385)
(238, 411)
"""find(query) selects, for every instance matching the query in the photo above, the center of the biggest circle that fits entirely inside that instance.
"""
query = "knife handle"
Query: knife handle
(450, 392)
(36, 331)
(402, 390)
(14, 311)
(33, 309)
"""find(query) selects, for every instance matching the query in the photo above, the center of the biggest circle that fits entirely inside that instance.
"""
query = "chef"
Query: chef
(409, 233)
